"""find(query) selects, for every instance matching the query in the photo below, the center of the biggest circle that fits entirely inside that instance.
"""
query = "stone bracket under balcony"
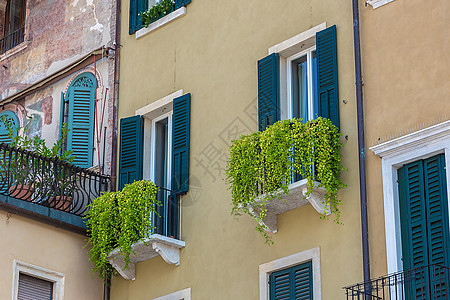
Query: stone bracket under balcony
(156, 244)
(296, 198)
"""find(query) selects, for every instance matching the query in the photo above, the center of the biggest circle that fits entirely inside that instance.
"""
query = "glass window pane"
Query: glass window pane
(315, 94)
(300, 88)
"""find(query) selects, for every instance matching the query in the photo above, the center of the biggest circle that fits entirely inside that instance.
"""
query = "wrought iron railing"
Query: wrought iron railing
(167, 219)
(47, 181)
(12, 40)
(430, 282)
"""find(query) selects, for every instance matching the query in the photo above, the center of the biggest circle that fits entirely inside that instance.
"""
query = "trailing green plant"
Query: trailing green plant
(117, 220)
(261, 165)
(156, 12)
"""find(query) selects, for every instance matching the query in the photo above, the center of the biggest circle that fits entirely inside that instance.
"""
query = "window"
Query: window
(14, 121)
(154, 145)
(33, 282)
(415, 179)
(293, 277)
(77, 110)
(139, 6)
(12, 24)
(298, 79)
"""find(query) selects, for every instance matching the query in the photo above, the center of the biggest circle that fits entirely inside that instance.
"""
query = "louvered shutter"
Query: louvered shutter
(180, 3)
(327, 75)
(268, 90)
(136, 7)
(14, 122)
(131, 150)
(180, 143)
(292, 283)
(34, 288)
(81, 124)
(413, 215)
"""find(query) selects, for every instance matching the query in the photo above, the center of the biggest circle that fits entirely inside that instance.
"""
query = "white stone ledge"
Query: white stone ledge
(296, 198)
(378, 3)
(161, 22)
(157, 244)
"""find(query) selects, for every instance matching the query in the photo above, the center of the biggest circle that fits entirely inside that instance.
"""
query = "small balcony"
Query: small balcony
(164, 240)
(424, 283)
(47, 189)
(12, 40)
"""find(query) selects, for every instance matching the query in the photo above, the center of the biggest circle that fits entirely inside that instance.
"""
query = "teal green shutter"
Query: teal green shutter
(130, 150)
(180, 143)
(327, 75)
(180, 3)
(136, 7)
(14, 121)
(268, 90)
(81, 124)
(62, 112)
(292, 283)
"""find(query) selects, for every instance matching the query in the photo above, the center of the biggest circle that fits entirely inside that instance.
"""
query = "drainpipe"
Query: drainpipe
(361, 149)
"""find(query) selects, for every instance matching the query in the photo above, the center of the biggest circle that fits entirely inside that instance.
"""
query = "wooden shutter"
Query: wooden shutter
(81, 124)
(131, 150)
(180, 3)
(180, 143)
(136, 7)
(327, 75)
(14, 122)
(292, 283)
(268, 90)
(34, 288)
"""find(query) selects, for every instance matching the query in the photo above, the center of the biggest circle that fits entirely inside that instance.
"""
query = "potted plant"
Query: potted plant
(156, 12)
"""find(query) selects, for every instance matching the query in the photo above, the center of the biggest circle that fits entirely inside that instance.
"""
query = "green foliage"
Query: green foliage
(20, 165)
(262, 165)
(117, 220)
(156, 12)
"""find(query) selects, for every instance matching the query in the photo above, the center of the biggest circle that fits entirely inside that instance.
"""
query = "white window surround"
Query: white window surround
(180, 295)
(395, 153)
(378, 3)
(287, 49)
(266, 269)
(38, 272)
(180, 12)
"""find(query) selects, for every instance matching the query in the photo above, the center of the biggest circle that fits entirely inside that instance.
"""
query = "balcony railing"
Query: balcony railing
(12, 40)
(48, 182)
(422, 283)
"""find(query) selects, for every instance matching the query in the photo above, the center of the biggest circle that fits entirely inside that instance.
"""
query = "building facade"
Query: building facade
(193, 81)
(406, 127)
(56, 67)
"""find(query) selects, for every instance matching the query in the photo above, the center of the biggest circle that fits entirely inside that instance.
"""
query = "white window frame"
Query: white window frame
(293, 47)
(56, 278)
(266, 269)
(290, 103)
(180, 295)
(395, 153)
(153, 146)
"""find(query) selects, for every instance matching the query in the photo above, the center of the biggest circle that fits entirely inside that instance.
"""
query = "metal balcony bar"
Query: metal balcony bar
(12, 40)
(49, 182)
(421, 283)
(167, 218)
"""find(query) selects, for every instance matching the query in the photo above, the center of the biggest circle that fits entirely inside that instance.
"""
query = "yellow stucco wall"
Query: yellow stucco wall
(212, 53)
(48, 247)
(406, 71)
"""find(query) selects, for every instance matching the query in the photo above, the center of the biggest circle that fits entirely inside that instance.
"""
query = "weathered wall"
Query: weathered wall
(406, 70)
(212, 53)
(48, 247)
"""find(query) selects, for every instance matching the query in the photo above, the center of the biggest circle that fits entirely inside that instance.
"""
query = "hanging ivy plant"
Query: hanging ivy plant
(261, 165)
(156, 12)
(117, 220)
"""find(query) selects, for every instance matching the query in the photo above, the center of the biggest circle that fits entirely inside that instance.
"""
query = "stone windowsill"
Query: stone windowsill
(161, 22)
(378, 3)
(296, 198)
(168, 248)
(14, 50)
